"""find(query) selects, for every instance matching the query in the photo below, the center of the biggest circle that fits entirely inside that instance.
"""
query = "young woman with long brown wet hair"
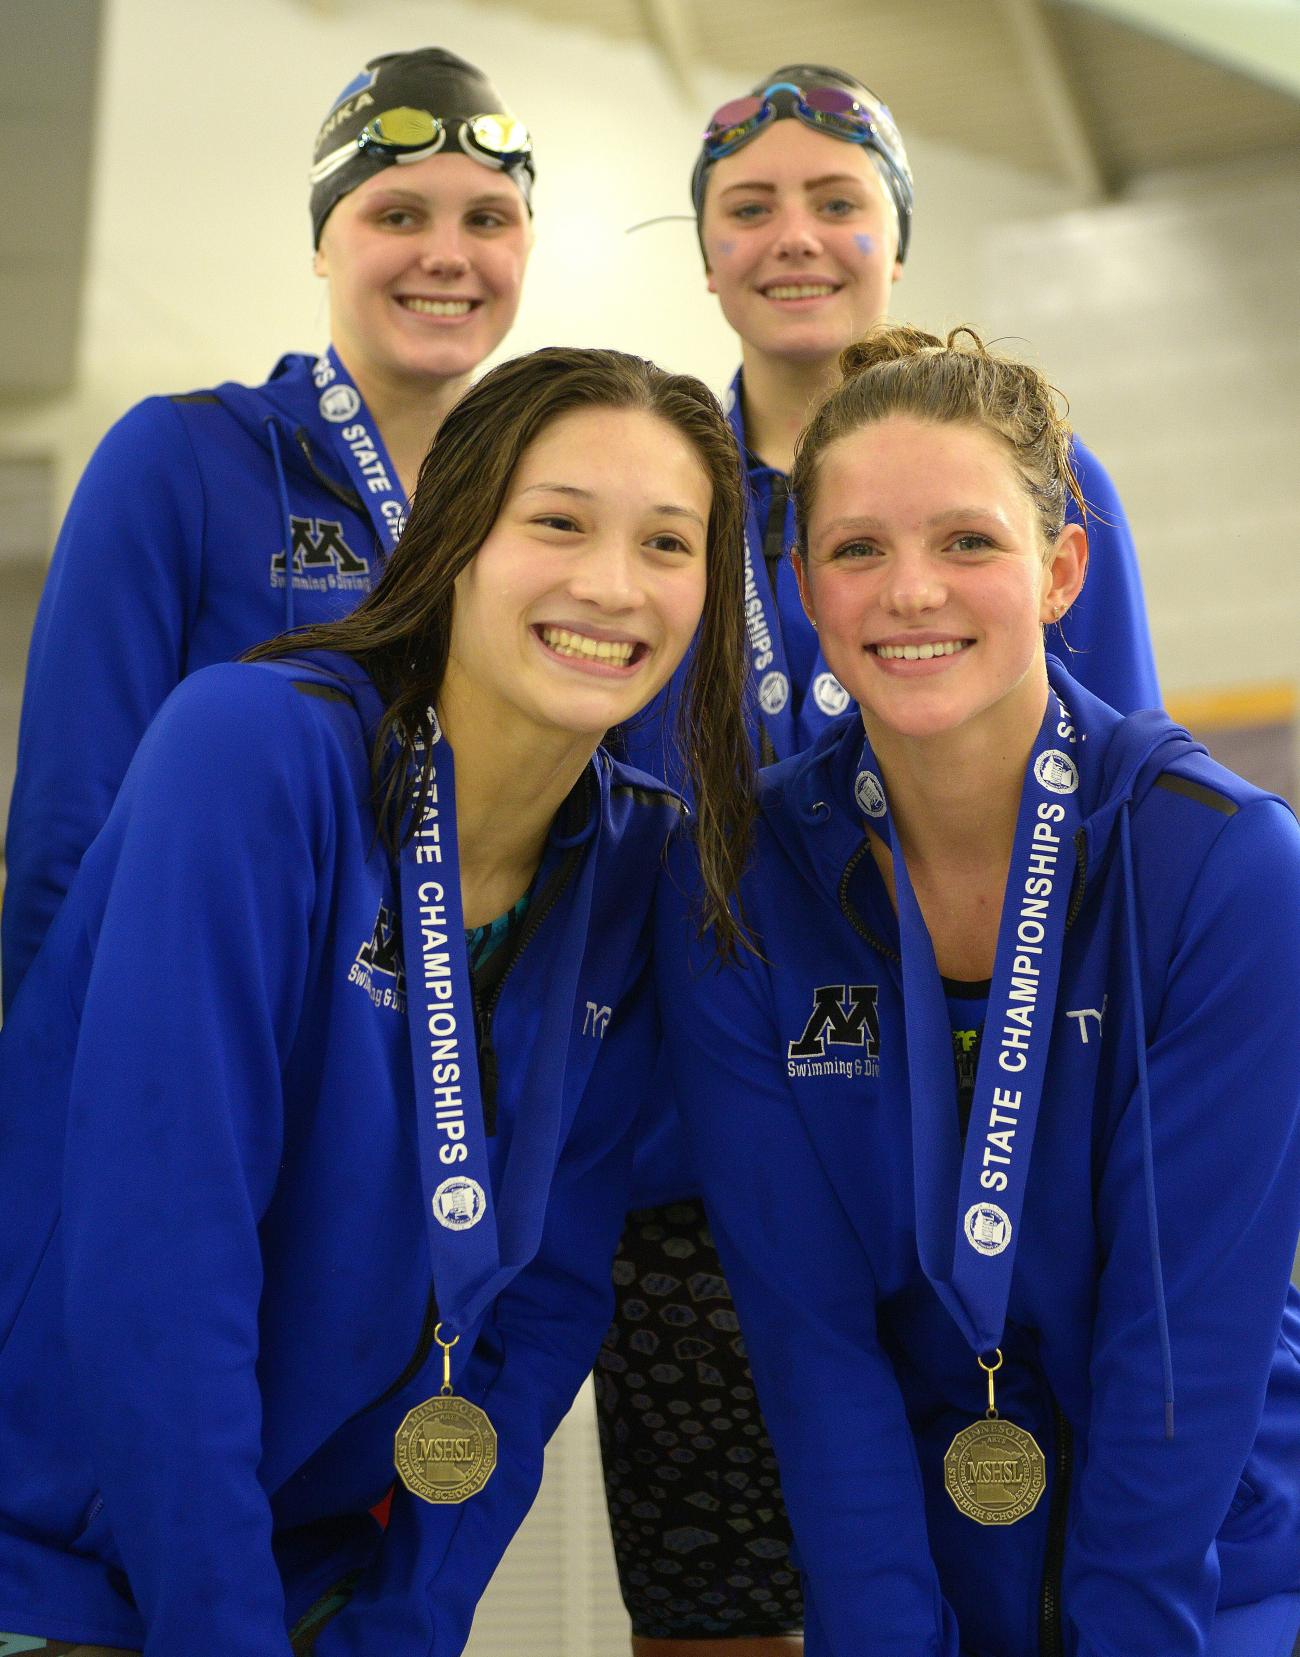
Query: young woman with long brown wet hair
(321, 1095)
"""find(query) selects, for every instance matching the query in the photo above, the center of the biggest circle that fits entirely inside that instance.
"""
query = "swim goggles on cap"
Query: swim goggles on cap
(828, 109)
(405, 135)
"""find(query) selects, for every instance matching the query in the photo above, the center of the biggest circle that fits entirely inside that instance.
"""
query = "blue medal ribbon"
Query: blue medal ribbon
(478, 1239)
(355, 438)
(971, 1272)
(774, 689)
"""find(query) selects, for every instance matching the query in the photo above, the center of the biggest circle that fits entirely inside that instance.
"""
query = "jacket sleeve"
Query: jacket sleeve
(1141, 1570)
(108, 647)
(806, 1293)
(1105, 640)
(536, 1348)
(173, 1147)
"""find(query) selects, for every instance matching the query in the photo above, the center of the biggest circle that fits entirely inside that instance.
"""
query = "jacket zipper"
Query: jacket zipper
(1051, 1627)
(850, 913)
(348, 496)
(488, 1067)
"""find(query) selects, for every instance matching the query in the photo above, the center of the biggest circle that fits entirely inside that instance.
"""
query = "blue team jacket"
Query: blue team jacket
(171, 557)
(215, 1296)
(807, 1170)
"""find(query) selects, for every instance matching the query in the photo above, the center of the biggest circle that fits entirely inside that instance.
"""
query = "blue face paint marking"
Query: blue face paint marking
(726, 247)
(866, 244)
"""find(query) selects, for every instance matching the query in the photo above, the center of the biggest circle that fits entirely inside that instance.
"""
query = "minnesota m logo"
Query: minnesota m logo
(318, 545)
(382, 951)
(844, 1014)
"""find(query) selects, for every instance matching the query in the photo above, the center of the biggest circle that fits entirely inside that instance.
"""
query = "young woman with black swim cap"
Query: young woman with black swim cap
(209, 521)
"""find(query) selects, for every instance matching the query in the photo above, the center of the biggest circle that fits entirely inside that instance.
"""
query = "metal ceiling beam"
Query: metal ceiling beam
(1056, 98)
(671, 32)
(1260, 38)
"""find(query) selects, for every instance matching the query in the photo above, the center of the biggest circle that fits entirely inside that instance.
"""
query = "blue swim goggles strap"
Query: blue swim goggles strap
(829, 109)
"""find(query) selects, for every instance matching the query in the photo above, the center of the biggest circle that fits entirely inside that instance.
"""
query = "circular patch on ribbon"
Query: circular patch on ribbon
(988, 1227)
(773, 692)
(1056, 771)
(339, 403)
(829, 694)
(459, 1203)
(869, 793)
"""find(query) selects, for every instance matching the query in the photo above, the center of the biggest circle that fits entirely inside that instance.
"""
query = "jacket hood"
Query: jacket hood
(1120, 758)
(278, 417)
(606, 792)
(290, 400)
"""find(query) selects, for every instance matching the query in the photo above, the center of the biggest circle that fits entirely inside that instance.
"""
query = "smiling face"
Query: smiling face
(801, 242)
(583, 598)
(425, 265)
(929, 578)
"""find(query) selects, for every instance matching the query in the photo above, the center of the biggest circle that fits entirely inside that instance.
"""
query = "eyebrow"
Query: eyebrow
(984, 514)
(396, 193)
(808, 183)
(665, 507)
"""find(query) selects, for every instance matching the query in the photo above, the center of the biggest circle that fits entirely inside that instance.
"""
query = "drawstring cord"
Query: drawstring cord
(1148, 1149)
(269, 423)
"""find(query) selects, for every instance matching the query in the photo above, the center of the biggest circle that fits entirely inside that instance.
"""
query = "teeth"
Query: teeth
(618, 652)
(438, 307)
(800, 290)
(918, 652)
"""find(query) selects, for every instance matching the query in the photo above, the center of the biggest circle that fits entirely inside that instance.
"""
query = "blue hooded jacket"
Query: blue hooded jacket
(215, 1283)
(1155, 1244)
(171, 557)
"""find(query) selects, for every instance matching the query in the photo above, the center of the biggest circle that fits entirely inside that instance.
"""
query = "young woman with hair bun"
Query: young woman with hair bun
(804, 204)
(999, 1133)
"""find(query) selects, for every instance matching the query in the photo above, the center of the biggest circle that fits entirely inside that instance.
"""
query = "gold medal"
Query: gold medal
(994, 1471)
(446, 1448)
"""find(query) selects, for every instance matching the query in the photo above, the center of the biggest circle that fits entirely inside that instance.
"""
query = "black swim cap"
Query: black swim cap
(884, 140)
(427, 79)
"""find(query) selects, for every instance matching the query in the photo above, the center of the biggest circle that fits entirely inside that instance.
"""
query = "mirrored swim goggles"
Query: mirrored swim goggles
(828, 109)
(404, 135)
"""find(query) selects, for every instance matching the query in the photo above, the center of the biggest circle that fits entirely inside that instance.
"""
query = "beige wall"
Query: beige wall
(1173, 321)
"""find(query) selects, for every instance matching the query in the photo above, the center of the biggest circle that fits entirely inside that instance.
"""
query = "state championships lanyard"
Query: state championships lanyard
(356, 440)
(768, 667)
(971, 1270)
(994, 1471)
(445, 1448)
